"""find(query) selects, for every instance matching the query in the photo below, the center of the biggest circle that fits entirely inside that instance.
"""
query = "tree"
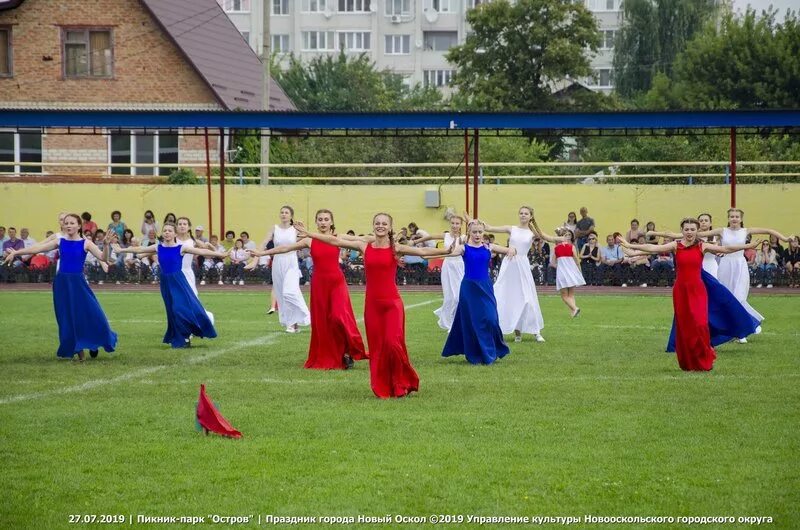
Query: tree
(653, 33)
(517, 52)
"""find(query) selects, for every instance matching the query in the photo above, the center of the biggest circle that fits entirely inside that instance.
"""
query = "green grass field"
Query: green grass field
(598, 420)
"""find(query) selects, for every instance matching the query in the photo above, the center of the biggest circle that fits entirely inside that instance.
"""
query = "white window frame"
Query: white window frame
(602, 5)
(442, 6)
(405, 8)
(360, 7)
(314, 6)
(280, 38)
(595, 79)
(604, 44)
(424, 44)
(439, 77)
(361, 41)
(472, 4)
(391, 43)
(18, 163)
(156, 152)
(10, 56)
(330, 41)
(229, 6)
(284, 4)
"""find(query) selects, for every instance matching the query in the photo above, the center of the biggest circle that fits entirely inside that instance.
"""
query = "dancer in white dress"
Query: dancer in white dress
(733, 272)
(292, 309)
(184, 237)
(568, 272)
(517, 302)
(452, 272)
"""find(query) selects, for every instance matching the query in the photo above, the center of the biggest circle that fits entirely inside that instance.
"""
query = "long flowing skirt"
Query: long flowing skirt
(734, 274)
(82, 324)
(476, 328)
(185, 314)
(692, 338)
(292, 308)
(568, 274)
(391, 373)
(192, 281)
(517, 302)
(727, 317)
(452, 274)
(334, 332)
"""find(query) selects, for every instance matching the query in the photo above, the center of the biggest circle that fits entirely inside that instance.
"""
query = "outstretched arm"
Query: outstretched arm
(509, 252)
(504, 229)
(546, 237)
(707, 233)
(33, 249)
(672, 235)
(769, 231)
(424, 252)
(303, 243)
(203, 252)
(331, 240)
(728, 249)
(152, 249)
(648, 248)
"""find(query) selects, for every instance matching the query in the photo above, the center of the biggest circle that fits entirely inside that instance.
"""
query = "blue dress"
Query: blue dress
(727, 317)
(476, 330)
(82, 325)
(185, 313)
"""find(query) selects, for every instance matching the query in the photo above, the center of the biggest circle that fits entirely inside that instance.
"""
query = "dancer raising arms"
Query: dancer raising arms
(568, 272)
(184, 237)
(335, 339)
(476, 330)
(710, 264)
(517, 302)
(690, 298)
(452, 272)
(82, 325)
(186, 316)
(391, 373)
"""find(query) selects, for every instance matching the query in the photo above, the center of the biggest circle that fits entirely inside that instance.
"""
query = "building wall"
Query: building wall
(255, 208)
(421, 19)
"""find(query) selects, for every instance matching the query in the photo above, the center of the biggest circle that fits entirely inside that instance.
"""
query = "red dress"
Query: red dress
(391, 373)
(334, 332)
(690, 301)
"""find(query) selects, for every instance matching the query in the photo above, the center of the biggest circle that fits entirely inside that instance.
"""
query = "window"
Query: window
(87, 53)
(398, 45)
(441, 6)
(19, 147)
(603, 78)
(280, 7)
(134, 147)
(354, 6)
(608, 37)
(319, 41)
(314, 6)
(439, 41)
(437, 78)
(354, 41)
(398, 7)
(6, 57)
(472, 4)
(235, 6)
(280, 43)
(602, 5)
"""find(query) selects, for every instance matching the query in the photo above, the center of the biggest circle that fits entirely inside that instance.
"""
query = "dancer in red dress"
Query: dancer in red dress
(689, 295)
(391, 373)
(335, 339)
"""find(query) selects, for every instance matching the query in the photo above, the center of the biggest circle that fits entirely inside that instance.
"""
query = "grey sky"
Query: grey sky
(758, 5)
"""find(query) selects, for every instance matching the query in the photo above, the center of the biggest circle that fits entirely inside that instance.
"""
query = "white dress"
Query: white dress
(567, 272)
(517, 303)
(733, 272)
(188, 272)
(710, 264)
(452, 274)
(292, 307)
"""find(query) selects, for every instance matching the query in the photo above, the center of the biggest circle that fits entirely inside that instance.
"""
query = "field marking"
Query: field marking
(259, 341)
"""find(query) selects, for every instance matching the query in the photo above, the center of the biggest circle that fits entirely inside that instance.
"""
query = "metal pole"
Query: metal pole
(221, 184)
(733, 167)
(208, 185)
(476, 171)
(466, 169)
(265, 58)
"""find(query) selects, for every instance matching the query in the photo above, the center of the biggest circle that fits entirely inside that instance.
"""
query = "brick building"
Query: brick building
(120, 54)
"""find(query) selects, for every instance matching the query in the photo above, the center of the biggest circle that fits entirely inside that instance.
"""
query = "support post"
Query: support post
(466, 170)
(208, 184)
(733, 167)
(476, 171)
(221, 184)
(265, 58)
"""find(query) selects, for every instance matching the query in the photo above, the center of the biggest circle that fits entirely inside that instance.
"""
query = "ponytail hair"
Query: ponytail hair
(190, 227)
(390, 234)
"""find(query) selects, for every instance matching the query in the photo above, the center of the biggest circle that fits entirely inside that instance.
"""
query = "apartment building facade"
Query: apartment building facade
(409, 37)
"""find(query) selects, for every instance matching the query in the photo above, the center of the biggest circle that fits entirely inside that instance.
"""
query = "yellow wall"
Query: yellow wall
(255, 208)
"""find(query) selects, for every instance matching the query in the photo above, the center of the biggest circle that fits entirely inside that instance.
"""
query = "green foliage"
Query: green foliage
(183, 176)
(652, 35)
(516, 53)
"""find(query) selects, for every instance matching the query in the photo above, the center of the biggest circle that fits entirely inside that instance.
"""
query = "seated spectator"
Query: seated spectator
(539, 257)
(148, 263)
(651, 239)
(27, 241)
(634, 233)
(792, 261)
(306, 265)
(611, 257)
(766, 265)
(638, 267)
(88, 224)
(3, 236)
(198, 234)
(750, 257)
(230, 240)
(92, 269)
(116, 224)
(584, 227)
(149, 223)
(170, 218)
(238, 257)
(53, 254)
(249, 244)
(590, 258)
(212, 267)
(663, 266)
(415, 232)
(774, 244)
(12, 243)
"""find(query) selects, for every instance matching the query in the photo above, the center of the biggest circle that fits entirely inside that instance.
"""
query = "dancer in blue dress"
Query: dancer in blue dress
(476, 332)
(82, 325)
(186, 316)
